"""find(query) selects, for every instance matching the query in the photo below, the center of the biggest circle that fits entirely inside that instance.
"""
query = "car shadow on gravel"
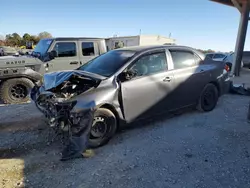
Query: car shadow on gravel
(151, 122)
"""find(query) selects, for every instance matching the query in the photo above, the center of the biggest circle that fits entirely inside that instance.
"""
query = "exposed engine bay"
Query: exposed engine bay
(52, 97)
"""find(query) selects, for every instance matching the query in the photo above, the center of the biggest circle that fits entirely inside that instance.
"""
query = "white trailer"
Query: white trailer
(139, 40)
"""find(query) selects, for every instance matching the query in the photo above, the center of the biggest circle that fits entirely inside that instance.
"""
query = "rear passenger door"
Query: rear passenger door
(88, 50)
(189, 77)
(67, 58)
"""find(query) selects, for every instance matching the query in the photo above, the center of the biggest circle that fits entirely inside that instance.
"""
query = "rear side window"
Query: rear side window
(65, 49)
(88, 49)
(183, 59)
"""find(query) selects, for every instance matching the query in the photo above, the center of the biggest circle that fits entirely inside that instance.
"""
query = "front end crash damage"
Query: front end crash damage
(54, 97)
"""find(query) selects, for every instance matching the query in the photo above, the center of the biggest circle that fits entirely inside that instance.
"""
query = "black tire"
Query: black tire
(208, 98)
(108, 125)
(21, 85)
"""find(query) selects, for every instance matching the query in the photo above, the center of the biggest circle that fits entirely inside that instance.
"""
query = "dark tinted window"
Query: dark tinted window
(65, 49)
(109, 63)
(88, 49)
(210, 55)
(219, 56)
(150, 64)
(182, 59)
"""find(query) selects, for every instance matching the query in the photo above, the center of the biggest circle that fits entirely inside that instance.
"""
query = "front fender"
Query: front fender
(97, 97)
(81, 107)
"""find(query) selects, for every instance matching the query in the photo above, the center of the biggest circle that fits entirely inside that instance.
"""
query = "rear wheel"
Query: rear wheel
(208, 99)
(103, 128)
(14, 91)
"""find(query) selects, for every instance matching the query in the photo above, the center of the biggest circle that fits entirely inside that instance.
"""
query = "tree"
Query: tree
(34, 39)
(16, 39)
(26, 37)
(44, 34)
(2, 40)
(13, 39)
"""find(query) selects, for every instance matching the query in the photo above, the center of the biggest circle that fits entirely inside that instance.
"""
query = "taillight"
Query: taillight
(227, 68)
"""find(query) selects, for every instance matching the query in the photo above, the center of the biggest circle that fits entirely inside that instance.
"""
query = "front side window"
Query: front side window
(183, 59)
(65, 49)
(150, 64)
(88, 49)
(210, 55)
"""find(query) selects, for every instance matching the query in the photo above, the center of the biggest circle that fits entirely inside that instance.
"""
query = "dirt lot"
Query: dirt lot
(190, 150)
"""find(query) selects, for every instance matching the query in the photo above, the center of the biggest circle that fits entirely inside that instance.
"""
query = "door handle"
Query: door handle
(167, 79)
(202, 70)
(73, 62)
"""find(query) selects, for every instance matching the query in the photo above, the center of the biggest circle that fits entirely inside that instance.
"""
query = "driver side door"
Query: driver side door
(67, 56)
(147, 93)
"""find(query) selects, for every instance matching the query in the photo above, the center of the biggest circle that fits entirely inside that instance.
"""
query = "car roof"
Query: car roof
(216, 53)
(152, 47)
(141, 49)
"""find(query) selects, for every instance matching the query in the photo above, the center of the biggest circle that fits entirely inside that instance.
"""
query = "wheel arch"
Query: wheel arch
(217, 85)
(113, 110)
(19, 76)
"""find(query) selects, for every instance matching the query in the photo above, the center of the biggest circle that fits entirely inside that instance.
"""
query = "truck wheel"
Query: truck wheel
(208, 98)
(14, 91)
(103, 128)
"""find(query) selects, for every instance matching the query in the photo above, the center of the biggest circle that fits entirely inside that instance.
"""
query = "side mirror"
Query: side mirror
(127, 75)
(53, 54)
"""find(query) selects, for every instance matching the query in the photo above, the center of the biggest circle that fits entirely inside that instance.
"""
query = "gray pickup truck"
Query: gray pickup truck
(19, 73)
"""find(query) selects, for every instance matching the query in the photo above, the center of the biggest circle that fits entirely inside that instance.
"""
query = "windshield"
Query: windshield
(108, 63)
(43, 46)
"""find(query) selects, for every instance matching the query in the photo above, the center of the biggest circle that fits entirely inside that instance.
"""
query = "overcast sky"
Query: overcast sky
(196, 23)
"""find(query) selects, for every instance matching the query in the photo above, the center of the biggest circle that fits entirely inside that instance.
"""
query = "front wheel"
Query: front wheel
(103, 128)
(14, 91)
(208, 98)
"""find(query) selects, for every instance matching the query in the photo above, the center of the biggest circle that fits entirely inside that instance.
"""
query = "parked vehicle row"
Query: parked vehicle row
(129, 84)
(229, 57)
(217, 56)
(8, 51)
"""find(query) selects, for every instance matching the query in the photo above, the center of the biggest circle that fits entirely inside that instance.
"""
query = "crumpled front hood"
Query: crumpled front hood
(54, 79)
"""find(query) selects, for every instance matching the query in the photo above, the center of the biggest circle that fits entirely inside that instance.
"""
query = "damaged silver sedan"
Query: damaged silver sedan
(128, 84)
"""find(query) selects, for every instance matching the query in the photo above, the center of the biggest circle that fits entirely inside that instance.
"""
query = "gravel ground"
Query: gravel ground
(190, 150)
